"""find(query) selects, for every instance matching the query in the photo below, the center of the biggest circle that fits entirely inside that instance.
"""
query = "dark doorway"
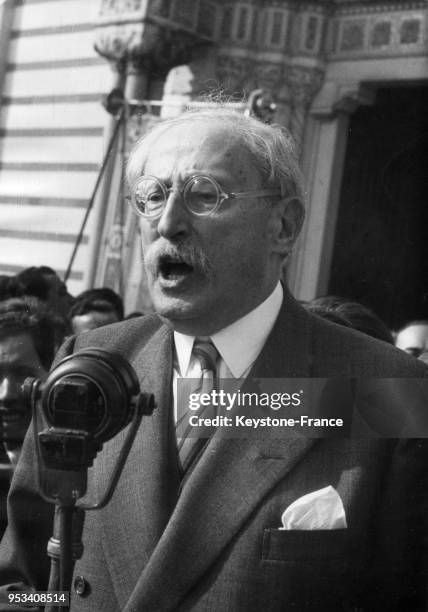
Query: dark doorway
(380, 255)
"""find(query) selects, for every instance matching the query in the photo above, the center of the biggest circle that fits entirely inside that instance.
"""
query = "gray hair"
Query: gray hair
(270, 147)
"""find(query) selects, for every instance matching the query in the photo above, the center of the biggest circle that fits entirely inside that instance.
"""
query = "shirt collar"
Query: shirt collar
(240, 343)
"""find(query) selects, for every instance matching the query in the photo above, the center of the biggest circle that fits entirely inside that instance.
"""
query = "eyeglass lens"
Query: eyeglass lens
(200, 194)
(149, 196)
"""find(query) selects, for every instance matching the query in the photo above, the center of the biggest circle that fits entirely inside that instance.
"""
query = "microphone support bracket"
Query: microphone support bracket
(88, 398)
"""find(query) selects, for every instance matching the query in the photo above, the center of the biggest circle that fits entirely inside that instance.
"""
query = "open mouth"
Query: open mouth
(171, 268)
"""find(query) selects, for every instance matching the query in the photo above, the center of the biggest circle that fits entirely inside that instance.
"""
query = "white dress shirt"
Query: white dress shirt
(239, 344)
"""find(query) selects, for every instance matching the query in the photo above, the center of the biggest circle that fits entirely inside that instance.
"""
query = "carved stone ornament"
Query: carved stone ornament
(353, 35)
(234, 73)
(118, 7)
(145, 47)
(304, 84)
(381, 34)
(380, 30)
(171, 48)
(410, 30)
(146, 36)
(115, 239)
(269, 76)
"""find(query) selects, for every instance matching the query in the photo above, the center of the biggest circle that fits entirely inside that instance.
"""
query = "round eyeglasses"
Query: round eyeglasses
(201, 194)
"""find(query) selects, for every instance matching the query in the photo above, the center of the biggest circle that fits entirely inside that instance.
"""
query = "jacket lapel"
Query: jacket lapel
(228, 482)
(147, 490)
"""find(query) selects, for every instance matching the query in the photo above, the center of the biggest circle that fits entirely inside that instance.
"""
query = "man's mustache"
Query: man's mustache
(180, 252)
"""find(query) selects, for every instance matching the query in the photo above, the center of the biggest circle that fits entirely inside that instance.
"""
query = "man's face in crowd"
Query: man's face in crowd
(59, 299)
(18, 360)
(413, 339)
(92, 320)
(206, 272)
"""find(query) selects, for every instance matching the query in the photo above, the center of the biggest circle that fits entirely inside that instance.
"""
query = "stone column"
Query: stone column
(303, 83)
(142, 40)
(323, 160)
(270, 77)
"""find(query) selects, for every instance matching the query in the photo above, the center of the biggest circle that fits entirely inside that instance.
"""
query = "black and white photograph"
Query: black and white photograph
(214, 305)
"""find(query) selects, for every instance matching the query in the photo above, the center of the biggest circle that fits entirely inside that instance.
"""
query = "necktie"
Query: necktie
(189, 446)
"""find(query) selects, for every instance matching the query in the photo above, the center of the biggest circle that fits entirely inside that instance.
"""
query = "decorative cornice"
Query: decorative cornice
(364, 8)
(147, 36)
(388, 34)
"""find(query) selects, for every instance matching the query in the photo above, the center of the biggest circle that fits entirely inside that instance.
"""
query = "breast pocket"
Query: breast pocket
(304, 546)
(308, 569)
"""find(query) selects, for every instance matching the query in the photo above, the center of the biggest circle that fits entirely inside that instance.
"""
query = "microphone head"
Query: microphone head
(92, 390)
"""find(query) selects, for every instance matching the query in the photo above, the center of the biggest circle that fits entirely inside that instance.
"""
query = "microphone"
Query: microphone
(87, 399)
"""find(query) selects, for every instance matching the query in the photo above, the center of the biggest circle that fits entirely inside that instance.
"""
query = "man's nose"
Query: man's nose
(10, 391)
(175, 220)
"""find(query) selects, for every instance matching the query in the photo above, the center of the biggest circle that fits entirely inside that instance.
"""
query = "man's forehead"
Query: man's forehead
(417, 333)
(17, 347)
(193, 133)
(196, 142)
(210, 150)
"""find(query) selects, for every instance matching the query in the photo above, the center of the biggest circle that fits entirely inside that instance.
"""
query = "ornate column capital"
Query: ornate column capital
(147, 36)
(341, 98)
(303, 84)
(352, 99)
(270, 76)
(235, 73)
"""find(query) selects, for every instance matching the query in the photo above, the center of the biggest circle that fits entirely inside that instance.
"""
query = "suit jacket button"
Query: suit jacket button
(81, 586)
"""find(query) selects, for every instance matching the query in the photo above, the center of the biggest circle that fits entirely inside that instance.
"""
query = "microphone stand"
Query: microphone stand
(64, 549)
(67, 455)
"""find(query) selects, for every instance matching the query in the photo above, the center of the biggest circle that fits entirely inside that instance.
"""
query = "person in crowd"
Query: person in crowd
(44, 283)
(353, 314)
(413, 337)
(265, 521)
(7, 287)
(94, 308)
(27, 348)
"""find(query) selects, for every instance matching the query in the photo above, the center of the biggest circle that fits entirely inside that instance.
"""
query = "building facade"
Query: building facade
(329, 65)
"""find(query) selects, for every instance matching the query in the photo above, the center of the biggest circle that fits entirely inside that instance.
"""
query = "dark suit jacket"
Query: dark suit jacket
(212, 542)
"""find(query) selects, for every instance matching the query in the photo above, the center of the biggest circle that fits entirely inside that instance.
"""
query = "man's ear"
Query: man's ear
(288, 217)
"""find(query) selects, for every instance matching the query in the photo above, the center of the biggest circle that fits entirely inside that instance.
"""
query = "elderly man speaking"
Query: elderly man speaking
(207, 525)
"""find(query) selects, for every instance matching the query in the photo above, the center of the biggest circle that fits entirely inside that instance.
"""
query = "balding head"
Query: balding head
(212, 258)
(270, 148)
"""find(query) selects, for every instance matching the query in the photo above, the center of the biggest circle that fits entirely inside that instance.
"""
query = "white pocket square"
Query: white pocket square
(321, 509)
